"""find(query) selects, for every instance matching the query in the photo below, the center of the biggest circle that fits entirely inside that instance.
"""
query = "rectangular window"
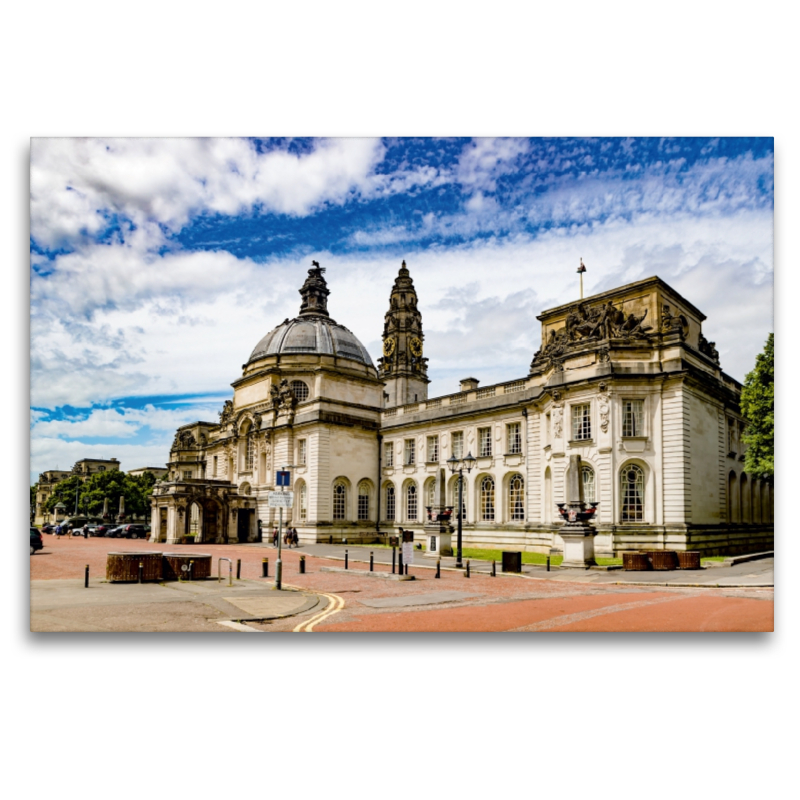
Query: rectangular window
(302, 450)
(514, 438)
(249, 452)
(581, 421)
(363, 506)
(390, 503)
(633, 417)
(303, 502)
(388, 456)
(187, 474)
(433, 448)
(458, 445)
(485, 439)
(410, 458)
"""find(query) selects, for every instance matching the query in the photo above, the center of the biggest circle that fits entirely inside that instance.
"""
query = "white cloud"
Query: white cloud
(484, 160)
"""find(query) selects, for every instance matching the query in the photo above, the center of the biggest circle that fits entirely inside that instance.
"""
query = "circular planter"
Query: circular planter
(689, 559)
(124, 567)
(635, 562)
(663, 559)
(174, 563)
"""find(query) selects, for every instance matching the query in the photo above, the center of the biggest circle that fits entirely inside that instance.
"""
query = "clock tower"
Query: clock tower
(403, 368)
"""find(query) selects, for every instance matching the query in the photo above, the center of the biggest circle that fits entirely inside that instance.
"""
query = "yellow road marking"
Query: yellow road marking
(335, 605)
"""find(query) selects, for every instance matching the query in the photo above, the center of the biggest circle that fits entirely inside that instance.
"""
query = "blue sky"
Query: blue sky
(158, 264)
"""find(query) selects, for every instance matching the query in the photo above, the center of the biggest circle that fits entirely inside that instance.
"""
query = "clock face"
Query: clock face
(416, 347)
(388, 347)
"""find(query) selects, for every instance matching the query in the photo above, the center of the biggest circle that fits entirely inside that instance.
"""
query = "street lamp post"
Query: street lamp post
(458, 465)
(279, 564)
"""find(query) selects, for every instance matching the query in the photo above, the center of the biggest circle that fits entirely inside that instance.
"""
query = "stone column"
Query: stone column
(578, 533)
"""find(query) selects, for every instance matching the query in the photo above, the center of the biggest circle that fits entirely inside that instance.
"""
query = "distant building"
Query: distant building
(157, 471)
(48, 479)
(625, 378)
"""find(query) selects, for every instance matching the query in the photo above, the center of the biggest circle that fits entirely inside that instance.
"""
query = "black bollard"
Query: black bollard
(394, 556)
(466, 574)
(345, 559)
(86, 578)
(548, 563)
(400, 562)
(302, 565)
(494, 569)
(265, 568)
(238, 569)
(330, 540)
(141, 572)
(371, 562)
(439, 568)
(406, 572)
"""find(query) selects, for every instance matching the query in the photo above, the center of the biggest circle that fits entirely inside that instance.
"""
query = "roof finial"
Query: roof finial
(581, 270)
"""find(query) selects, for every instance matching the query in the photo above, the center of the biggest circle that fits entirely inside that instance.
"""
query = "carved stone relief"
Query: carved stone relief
(558, 420)
(603, 406)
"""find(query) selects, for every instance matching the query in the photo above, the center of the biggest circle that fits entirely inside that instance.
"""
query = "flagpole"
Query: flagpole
(581, 270)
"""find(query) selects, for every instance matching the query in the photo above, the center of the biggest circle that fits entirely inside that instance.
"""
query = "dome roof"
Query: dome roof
(311, 335)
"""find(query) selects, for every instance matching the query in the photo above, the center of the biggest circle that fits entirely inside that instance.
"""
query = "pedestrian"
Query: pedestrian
(86, 531)
(58, 530)
(274, 537)
(295, 538)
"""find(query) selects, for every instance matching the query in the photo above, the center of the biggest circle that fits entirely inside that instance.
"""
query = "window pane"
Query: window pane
(581, 422)
(409, 451)
(458, 445)
(339, 501)
(516, 498)
(485, 441)
(514, 438)
(588, 484)
(632, 417)
(390, 500)
(411, 503)
(487, 499)
(388, 454)
(632, 486)
(300, 390)
(433, 448)
(363, 501)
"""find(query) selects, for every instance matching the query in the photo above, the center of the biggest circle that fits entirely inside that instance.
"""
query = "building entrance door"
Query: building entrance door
(243, 524)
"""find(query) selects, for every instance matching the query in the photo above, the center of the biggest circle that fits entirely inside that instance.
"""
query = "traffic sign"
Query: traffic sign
(282, 477)
(281, 499)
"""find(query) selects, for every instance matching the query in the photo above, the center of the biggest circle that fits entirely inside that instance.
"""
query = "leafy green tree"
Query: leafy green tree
(111, 484)
(64, 492)
(758, 408)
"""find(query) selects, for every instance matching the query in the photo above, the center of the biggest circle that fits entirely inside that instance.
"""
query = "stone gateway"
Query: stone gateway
(625, 379)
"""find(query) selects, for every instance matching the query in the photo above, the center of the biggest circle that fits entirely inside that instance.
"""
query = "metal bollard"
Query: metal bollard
(439, 568)
(141, 572)
(394, 556)
(191, 569)
(330, 540)
(302, 565)
(371, 562)
(345, 559)
(265, 568)
(494, 569)
(238, 569)
(86, 578)
(466, 574)
(548, 563)
(406, 572)
(400, 562)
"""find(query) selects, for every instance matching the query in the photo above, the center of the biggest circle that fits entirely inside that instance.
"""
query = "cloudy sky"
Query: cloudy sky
(158, 264)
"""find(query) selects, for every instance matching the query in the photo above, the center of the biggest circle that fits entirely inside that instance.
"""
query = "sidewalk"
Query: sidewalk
(751, 574)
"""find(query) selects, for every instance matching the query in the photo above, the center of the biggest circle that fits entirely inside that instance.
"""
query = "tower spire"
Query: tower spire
(314, 293)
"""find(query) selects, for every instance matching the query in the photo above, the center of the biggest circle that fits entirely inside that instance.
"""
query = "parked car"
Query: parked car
(48, 528)
(103, 530)
(134, 531)
(115, 533)
(36, 540)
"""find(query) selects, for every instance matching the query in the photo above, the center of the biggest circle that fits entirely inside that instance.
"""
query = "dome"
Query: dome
(311, 335)
(313, 332)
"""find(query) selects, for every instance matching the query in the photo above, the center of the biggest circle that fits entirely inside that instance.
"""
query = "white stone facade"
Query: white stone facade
(625, 379)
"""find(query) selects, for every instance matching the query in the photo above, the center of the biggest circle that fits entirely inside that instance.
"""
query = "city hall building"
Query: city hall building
(625, 378)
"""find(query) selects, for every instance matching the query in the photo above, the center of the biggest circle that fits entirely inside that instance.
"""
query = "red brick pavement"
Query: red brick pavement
(502, 603)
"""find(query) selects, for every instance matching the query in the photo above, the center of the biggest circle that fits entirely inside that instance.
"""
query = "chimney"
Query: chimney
(469, 384)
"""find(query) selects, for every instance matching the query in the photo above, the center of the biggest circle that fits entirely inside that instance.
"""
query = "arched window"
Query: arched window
(516, 498)
(632, 494)
(390, 503)
(303, 501)
(249, 451)
(363, 500)
(430, 492)
(300, 390)
(487, 499)
(411, 502)
(339, 500)
(194, 520)
(587, 475)
(454, 498)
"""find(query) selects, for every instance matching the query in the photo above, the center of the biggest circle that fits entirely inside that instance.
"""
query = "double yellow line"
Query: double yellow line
(335, 605)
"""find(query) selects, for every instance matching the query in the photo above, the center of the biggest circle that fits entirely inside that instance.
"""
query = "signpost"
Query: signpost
(408, 547)
(281, 500)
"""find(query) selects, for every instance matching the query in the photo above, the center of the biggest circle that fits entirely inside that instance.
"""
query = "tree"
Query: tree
(111, 485)
(758, 408)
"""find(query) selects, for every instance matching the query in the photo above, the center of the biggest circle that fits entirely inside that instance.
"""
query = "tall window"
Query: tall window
(411, 502)
(633, 417)
(410, 457)
(487, 499)
(363, 500)
(485, 439)
(339, 500)
(632, 493)
(516, 498)
(731, 436)
(303, 501)
(433, 448)
(458, 445)
(194, 520)
(587, 475)
(581, 421)
(300, 390)
(514, 438)
(390, 503)
(187, 474)
(249, 450)
(302, 451)
(388, 454)
(430, 493)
